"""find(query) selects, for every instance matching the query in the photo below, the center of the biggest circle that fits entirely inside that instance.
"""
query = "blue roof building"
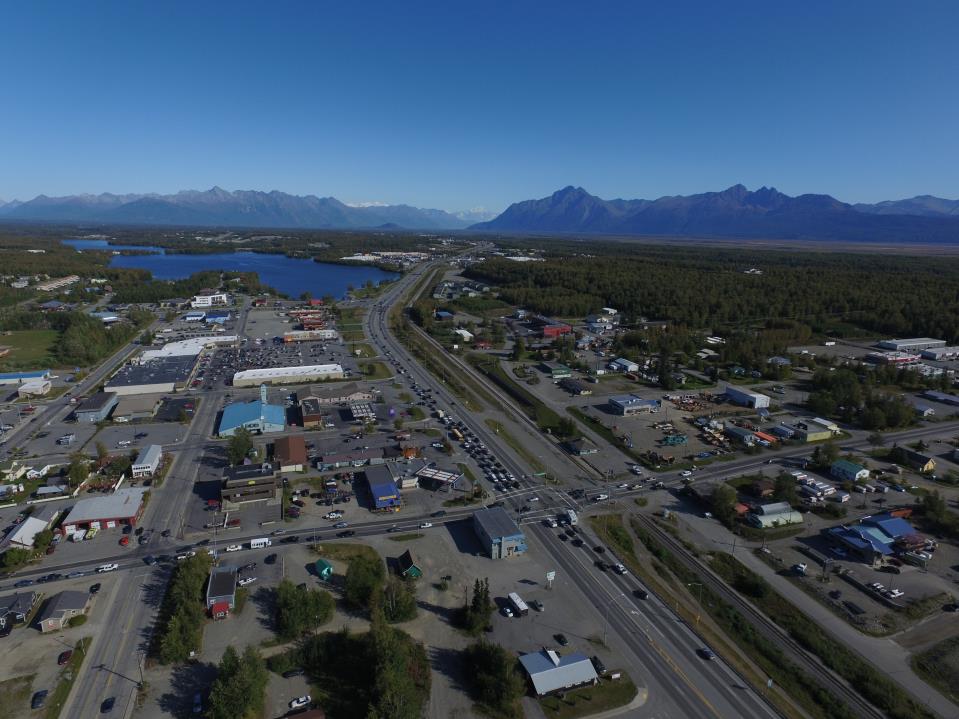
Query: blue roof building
(383, 489)
(217, 317)
(874, 537)
(21, 377)
(258, 417)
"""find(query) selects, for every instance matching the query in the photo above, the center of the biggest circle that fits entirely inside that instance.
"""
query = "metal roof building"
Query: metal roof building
(383, 487)
(288, 375)
(96, 407)
(550, 672)
(257, 416)
(147, 461)
(498, 533)
(630, 404)
(221, 590)
(746, 399)
(20, 377)
(153, 376)
(122, 507)
(913, 344)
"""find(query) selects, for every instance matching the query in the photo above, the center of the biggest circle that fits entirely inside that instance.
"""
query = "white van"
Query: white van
(260, 543)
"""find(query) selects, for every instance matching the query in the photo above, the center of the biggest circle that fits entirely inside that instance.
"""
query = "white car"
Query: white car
(619, 569)
(426, 525)
(246, 580)
(185, 555)
(108, 567)
(234, 548)
(685, 473)
(534, 499)
(300, 702)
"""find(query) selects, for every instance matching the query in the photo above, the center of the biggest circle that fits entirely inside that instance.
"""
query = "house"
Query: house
(96, 407)
(924, 410)
(383, 489)
(147, 462)
(15, 608)
(779, 361)
(846, 471)
(258, 416)
(576, 387)
(550, 672)
(498, 533)
(289, 453)
(221, 592)
(916, 460)
(407, 566)
(62, 608)
(764, 488)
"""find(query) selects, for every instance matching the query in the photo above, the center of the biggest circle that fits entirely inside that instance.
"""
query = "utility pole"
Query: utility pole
(699, 609)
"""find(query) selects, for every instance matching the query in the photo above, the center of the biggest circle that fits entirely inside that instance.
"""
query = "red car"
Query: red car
(124, 541)
(64, 657)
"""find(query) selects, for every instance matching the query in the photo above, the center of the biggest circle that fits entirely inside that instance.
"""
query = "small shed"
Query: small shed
(407, 566)
(324, 570)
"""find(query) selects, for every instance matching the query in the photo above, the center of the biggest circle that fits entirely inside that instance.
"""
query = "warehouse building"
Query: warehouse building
(217, 317)
(339, 394)
(383, 489)
(742, 435)
(187, 348)
(846, 471)
(62, 608)
(154, 376)
(937, 396)
(288, 375)
(621, 364)
(258, 416)
(551, 672)
(914, 344)
(777, 514)
(940, 353)
(19, 378)
(627, 405)
(746, 399)
(557, 371)
(34, 388)
(24, 533)
(124, 506)
(136, 406)
(221, 592)
(147, 462)
(498, 533)
(806, 431)
(249, 483)
(95, 408)
(289, 453)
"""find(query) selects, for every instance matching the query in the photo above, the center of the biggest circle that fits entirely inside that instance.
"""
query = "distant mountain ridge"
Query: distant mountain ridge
(218, 207)
(925, 205)
(734, 212)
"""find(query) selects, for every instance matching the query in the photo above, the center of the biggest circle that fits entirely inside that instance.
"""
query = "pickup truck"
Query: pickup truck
(108, 567)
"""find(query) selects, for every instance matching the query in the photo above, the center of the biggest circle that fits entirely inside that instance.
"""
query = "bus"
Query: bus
(519, 606)
(456, 434)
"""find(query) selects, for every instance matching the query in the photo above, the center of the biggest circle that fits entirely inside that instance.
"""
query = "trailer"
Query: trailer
(260, 543)
(571, 517)
(519, 606)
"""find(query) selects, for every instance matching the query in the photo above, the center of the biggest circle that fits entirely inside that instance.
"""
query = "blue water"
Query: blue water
(290, 276)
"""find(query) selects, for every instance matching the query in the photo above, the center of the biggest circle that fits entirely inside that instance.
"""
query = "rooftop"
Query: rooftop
(305, 371)
(222, 582)
(121, 504)
(290, 449)
(66, 601)
(550, 671)
(161, 370)
(150, 455)
(187, 348)
(241, 413)
(97, 401)
(496, 522)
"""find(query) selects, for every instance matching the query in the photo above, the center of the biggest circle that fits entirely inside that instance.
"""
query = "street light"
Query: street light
(700, 606)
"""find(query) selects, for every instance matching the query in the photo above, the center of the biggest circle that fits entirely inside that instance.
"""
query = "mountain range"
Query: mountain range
(734, 212)
(217, 207)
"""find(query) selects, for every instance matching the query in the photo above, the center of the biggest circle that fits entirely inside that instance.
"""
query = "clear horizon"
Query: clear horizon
(462, 107)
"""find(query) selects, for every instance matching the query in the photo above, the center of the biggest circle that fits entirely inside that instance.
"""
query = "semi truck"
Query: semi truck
(571, 517)
(519, 606)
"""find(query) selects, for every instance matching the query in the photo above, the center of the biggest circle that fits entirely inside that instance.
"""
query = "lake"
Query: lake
(285, 274)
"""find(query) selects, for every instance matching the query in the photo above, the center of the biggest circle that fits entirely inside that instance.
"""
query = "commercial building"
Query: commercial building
(777, 514)
(309, 335)
(383, 489)
(914, 344)
(24, 533)
(407, 567)
(249, 483)
(937, 396)
(221, 592)
(147, 462)
(34, 388)
(621, 364)
(550, 672)
(155, 376)
(289, 453)
(258, 416)
(940, 353)
(15, 608)
(745, 398)
(466, 335)
(338, 394)
(362, 412)
(96, 407)
(627, 405)
(218, 317)
(356, 458)
(194, 316)
(893, 358)
(742, 435)
(498, 533)
(580, 447)
(810, 432)
(288, 375)
(846, 471)
(557, 371)
(576, 387)
(136, 406)
(209, 298)
(58, 283)
(187, 348)
(62, 608)
(312, 412)
(432, 477)
(19, 378)
(124, 506)
(550, 328)
(874, 538)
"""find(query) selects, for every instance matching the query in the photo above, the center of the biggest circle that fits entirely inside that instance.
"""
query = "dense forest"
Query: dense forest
(708, 288)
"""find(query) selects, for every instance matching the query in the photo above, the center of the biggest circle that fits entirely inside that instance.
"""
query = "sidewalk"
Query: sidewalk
(888, 656)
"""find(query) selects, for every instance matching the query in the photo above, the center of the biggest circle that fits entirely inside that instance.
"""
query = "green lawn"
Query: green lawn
(14, 696)
(375, 370)
(939, 665)
(530, 459)
(608, 694)
(405, 537)
(361, 349)
(29, 348)
(67, 675)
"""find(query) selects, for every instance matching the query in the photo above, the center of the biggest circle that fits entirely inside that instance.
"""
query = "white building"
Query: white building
(34, 388)
(914, 344)
(288, 375)
(940, 353)
(621, 364)
(465, 334)
(746, 399)
(209, 299)
(187, 348)
(147, 462)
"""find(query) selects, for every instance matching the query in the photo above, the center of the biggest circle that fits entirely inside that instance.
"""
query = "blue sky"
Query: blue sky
(455, 105)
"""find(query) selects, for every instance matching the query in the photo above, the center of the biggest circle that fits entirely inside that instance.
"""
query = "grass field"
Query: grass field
(29, 348)
(608, 694)
(375, 370)
(939, 665)
(361, 349)
(15, 696)
(67, 676)
(345, 552)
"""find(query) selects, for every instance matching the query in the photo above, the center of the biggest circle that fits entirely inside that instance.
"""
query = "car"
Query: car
(686, 473)
(95, 588)
(619, 569)
(39, 699)
(185, 555)
(246, 580)
(24, 583)
(346, 533)
(150, 560)
(107, 706)
(393, 529)
(198, 703)
(290, 673)
(507, 612)
(537, 605)
(234, 547)
(561, 640)
(248, 567)
(300, 702)
(599, 549)
(641, 594)
(706, 653)
(598, 665)
(64, 657)
(577, 542)
(124, 541)
(292, 539)
(341, 525)
(165, 533)
(600, 565)
(426, 525)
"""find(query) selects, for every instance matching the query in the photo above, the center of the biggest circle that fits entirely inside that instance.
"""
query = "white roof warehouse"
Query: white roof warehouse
(122, 507)
(287, 375)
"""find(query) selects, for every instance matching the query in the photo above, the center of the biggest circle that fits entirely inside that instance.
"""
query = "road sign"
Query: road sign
(550, 576)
